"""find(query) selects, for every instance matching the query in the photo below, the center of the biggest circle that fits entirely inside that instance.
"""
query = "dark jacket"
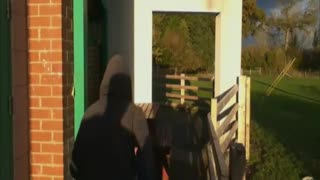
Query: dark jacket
(110, 130)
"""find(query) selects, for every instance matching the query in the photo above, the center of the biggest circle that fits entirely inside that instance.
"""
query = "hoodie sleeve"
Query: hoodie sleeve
(145, 155)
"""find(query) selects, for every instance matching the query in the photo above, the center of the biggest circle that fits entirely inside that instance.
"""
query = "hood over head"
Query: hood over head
(116, 80)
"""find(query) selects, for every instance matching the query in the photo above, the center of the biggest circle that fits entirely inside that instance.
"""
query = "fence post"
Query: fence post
(248, 116)
(182, 90)
(242, 110)
(214, 113)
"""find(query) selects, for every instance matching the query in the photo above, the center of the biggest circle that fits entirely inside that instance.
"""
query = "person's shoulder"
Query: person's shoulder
(95, 110)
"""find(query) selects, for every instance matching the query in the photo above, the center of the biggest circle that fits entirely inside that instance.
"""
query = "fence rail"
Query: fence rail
(229, 122)
(183, 88)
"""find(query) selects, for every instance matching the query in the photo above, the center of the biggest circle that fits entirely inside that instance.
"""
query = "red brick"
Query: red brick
(52, 125)
(41, 136)
(51, 79)
(52, 148)
(40, 91)
(58, 136)
(56, 68)
(57, 114)
(40, 113)
(49, 170)
(58, 159)
(58, 178)
(34, 79)
(52, 102)
(39, 44)
(56, 44)
(38, 1)
(39, 21)
(40, 68)
(56, 21)
(51, 33)
(34, 102)
(33, 10)
(35, 124)
(36, 169)
(35, 147)
(50, 9)
(34, 33)
(34, 56)
(42, 158)
(51, 56)
(56, 1)
(35, 177)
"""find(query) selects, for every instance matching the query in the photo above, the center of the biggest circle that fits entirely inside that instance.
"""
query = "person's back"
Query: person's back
(111, 129)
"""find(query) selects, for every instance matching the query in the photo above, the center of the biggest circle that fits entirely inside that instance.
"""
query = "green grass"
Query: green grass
(291, 115)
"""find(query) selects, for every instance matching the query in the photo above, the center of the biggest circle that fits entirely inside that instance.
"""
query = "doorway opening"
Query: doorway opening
(183, 44)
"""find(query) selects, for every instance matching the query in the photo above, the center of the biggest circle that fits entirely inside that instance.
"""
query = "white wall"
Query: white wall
(130, 34)
(142, 51)
(227, 45)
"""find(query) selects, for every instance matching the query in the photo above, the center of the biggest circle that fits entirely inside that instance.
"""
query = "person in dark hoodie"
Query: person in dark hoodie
(111, 129)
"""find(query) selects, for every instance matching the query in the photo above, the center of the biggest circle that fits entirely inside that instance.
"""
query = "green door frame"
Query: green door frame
(6, 132)
(80, 60)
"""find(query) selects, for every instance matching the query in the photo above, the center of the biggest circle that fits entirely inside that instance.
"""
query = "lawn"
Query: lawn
(291, 114)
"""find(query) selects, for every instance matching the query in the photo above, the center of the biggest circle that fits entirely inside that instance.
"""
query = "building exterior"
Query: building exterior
(43, 68)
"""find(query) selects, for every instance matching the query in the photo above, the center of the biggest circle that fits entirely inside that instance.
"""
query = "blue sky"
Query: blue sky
(267, 4)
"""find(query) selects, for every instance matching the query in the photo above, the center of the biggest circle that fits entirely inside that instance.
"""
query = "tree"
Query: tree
(316, 39)
(252, 17)
(184, 41)
(291, 18)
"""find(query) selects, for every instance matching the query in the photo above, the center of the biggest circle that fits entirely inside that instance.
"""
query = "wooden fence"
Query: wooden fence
(229, 123)
(182, 87)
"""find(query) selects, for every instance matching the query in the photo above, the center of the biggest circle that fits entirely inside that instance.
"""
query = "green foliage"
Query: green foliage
(272, 60)
(252, 17)
(184, 41)
(269, 159)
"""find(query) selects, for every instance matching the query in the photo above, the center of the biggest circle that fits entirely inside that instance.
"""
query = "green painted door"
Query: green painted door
(6, 142)
(80, 59)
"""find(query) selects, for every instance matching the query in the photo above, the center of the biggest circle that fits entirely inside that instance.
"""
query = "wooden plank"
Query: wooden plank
(212, 168)
(227, 141)
(172, 86)
(190, 78)
(144, 107)
(154, 111)
(227, 97)
(248, 117)
(177, 77)
(227, 121)
(214, 113)
(139, 105)
(148, 110)
(171, 95)
(242, 111)
(182, 91)
(221, 166)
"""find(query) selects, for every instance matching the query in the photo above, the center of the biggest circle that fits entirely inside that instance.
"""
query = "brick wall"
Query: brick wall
(50, 83)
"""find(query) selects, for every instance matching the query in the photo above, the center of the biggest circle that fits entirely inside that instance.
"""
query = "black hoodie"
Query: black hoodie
(110, 130)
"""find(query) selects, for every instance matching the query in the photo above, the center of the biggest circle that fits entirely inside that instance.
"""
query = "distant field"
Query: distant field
(292, 115)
